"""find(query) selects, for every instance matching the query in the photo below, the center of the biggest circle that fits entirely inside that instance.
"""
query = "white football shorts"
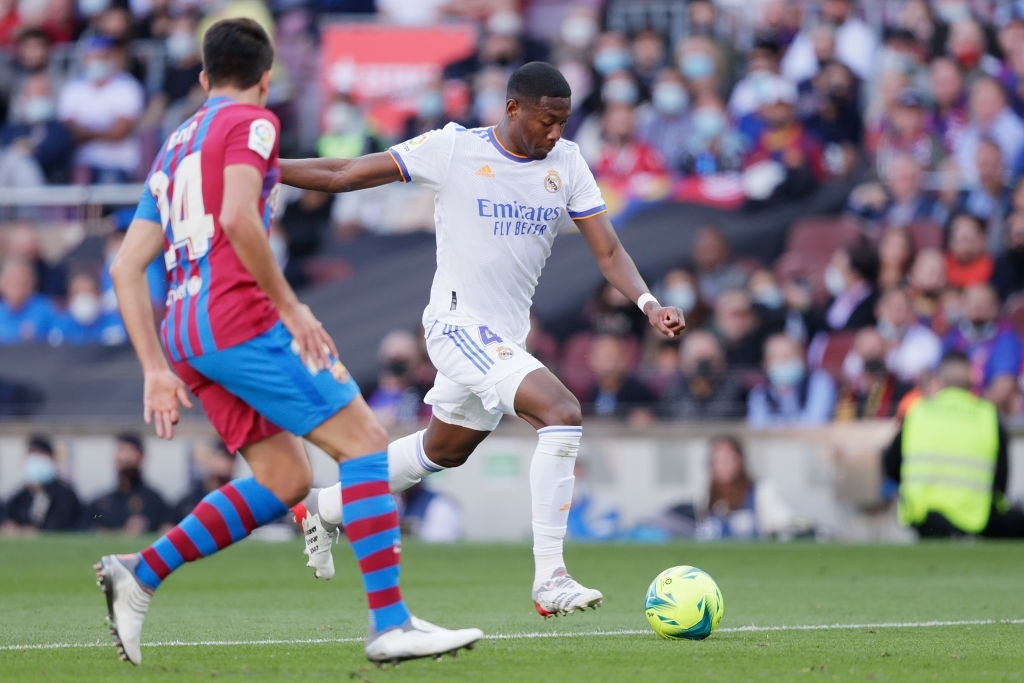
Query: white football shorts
(478, 374)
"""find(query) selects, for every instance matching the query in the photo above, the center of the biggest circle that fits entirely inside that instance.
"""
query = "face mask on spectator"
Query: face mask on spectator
(835, 283)
(430, 104)
(84, 308)
(37, 109)
(180, 46)
(769, 297)
(97, 70)
(669, 98)
(611, 59)
(342, 119)
(708, 123)
(889, 331)
(681, 296)
(578, 32)
(977, 330)
(620, 91)
(89, 8)
(488, 102)
(697, 66)
(39, 469)
(786, 373)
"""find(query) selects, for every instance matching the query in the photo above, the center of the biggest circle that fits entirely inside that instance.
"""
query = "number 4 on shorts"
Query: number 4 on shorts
(488, 337)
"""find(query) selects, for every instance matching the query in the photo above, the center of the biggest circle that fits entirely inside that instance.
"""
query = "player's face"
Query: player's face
(540, 124)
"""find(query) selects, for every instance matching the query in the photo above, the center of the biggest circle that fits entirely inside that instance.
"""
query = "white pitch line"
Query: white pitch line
(753, 628)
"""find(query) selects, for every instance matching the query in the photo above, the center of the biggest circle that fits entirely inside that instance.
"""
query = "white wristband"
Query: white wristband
(645, 299)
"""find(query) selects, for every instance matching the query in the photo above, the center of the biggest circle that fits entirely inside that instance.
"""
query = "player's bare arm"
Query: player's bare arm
(341, 175)
(163, 391)
(618, 268)
(242, 224)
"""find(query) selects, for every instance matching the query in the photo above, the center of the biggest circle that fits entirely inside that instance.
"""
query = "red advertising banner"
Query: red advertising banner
(386, 66)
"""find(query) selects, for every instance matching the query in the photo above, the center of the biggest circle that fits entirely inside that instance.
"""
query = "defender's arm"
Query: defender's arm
(341, 175)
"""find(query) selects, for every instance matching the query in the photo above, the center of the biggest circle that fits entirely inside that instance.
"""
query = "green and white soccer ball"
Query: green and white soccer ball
(684, 603)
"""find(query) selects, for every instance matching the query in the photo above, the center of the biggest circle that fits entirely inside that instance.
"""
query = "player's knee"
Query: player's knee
(563, 411)
(452, 457)
(291, 487)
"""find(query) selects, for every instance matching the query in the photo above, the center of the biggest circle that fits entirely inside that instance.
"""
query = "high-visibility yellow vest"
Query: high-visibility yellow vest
(950, 447)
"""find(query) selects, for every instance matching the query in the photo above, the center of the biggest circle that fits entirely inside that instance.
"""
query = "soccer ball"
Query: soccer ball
(684, 603)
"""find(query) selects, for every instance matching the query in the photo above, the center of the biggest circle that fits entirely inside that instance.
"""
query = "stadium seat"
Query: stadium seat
(926, 234)
(822, 234)
(575, 365)
(837, 345)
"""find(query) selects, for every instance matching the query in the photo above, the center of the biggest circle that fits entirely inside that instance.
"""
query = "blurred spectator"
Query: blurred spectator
(85, 321)
(1008, 274)
(32, 50)
(216, 468)
(713, 145)
(714, 265)
(649, 56)
(45, 503)
(951, 463)
(35, 148)
(900, 201)
(665, 124)
(430, 112)
(700, 60)
(502, 44)
(739, 329)
(949, 118)
(101, 108)
(430, 516)
(623, 157)
(736, 506)
(855, 43)
(305, 224)
(679, 288)
(616, 391)
(790, 396)
(967, 260)
(917, 17)
(967, 43)
(762, 66)
(906, 132)
(609, 312)
(25, 315)
(868, 389)
(618, 90)
(23, 241)
(346, 133)
(704, 388)
(768, 300)
(990, 198)
(829, 107)
(785, 147)
(397, 400)
(132, 507)
(926, 281)
(180, 95)
(895, 254)
(990, 344)
(911, 348)
(991, 118)
(850, 278)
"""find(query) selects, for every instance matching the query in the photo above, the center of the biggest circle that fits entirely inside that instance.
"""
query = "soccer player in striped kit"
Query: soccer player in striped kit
(257, 359)
(502, 195)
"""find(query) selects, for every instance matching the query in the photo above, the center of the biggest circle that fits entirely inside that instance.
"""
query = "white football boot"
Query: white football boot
(318, 540)
(418, 638)
(127, 603)
(561, 595)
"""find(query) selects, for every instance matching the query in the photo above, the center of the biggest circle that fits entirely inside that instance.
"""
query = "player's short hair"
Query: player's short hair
(535, 80)
(236, 52)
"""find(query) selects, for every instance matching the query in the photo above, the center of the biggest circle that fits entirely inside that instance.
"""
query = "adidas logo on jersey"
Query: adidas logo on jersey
(485, 171)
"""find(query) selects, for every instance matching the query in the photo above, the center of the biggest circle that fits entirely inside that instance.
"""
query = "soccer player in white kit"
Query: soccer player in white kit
(502, 195)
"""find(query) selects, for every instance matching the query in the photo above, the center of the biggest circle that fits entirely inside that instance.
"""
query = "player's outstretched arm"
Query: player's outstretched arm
(341, 175)
(162, 389)
(618, 268)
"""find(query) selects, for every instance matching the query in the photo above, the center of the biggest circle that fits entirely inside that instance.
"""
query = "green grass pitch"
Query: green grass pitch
(929, 612)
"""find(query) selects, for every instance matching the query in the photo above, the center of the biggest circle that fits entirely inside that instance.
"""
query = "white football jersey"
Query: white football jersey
(496, 215)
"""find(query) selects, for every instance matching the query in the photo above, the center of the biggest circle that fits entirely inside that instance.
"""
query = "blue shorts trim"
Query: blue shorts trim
(265, 373)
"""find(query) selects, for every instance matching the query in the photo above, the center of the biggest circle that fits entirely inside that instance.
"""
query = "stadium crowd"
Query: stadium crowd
(916, 105)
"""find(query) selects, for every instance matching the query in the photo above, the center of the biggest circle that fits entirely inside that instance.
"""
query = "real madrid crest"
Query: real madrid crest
(504, 352)
(552, 181)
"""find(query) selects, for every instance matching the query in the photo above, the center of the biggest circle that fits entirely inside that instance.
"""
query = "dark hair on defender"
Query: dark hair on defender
(236, 52)
(535, 80)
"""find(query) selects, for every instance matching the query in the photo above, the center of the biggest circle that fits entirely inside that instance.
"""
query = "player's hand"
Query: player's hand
(668, 320)
(162, 393)
(314, 346)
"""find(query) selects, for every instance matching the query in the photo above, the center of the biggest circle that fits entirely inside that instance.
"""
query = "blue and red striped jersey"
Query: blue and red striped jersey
(212, 300)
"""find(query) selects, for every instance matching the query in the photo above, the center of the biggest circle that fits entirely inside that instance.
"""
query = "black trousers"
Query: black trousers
(1008, 524)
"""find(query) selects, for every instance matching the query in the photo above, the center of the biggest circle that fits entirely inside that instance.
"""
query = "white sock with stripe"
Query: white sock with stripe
(408, 463)
(551, 484)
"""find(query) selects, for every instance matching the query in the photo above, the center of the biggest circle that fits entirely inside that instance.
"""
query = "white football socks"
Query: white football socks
(551, 484)
(407, 465)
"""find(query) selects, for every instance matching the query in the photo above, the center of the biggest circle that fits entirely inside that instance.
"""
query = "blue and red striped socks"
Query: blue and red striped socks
(371, 524)
(223, 517)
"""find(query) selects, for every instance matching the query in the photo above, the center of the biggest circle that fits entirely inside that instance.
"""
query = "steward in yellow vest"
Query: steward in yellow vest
(951, 463)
